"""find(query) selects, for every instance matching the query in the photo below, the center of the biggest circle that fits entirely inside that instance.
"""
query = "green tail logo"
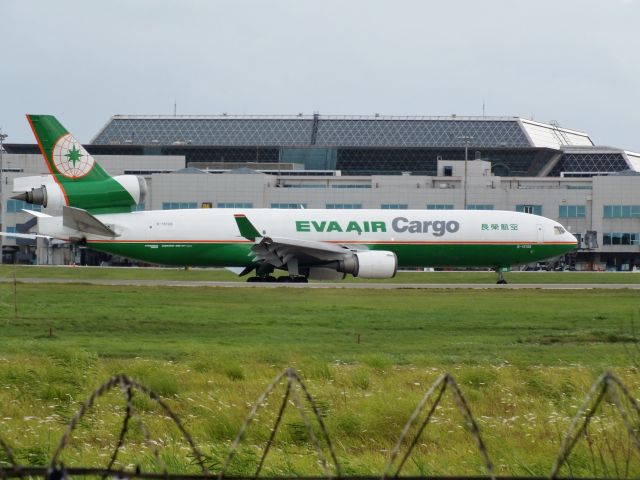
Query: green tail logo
(83, 182)
(65, 156)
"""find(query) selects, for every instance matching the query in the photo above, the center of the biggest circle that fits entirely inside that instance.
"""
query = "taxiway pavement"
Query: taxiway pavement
(337, 285)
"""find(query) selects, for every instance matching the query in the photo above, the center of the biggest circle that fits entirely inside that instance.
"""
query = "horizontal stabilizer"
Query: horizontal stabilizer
(30, 236)
(83, 221)
(36, 214)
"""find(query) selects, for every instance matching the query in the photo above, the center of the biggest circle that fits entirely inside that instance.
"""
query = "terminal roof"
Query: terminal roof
(337, 131)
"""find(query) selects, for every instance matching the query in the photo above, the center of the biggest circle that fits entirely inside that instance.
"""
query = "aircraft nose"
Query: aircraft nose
(572, 241)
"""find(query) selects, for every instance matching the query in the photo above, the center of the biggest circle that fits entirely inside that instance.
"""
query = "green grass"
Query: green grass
(408, 326)
(524, 359)
(214, 274)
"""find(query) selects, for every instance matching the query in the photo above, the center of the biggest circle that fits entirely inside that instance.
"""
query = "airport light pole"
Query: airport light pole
(466, 139)
(2, 137)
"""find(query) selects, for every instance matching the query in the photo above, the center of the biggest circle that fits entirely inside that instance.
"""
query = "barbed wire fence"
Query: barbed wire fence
(608, 390)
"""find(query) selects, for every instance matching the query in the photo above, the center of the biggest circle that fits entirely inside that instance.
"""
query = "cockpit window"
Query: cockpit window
(559, 230)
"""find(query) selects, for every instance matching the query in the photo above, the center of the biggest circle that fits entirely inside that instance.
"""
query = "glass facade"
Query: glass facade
(220, 154)
(178, 205)
(343, 205)
(16, 206)
(232, 131)
(354, 145)
(394, 206)
(351, 185)
(621, 211)
(572, 211)
(424, 161)
(315, 130)
(479, 206)
(590, 163)
(618, 238)
(415, 132)
(439, 206)
(234, 205)
(288, 205)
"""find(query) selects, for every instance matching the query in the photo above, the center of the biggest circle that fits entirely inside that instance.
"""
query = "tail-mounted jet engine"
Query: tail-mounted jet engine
(103, 194)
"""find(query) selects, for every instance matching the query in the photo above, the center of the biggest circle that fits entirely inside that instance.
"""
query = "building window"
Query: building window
(16, 206)
(480, 207)
(619, 238)
(178, 205)
(235, 205)
(343, 205)
(288, 205)
(11, 229)
(439, 206)
(304, 185)
(534, 209)
(351, 185)
(572, 211)
(394, 206)
(139, 207)
(621, 211)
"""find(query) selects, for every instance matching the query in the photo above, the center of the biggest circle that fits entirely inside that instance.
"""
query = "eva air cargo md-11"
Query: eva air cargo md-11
(86, 205)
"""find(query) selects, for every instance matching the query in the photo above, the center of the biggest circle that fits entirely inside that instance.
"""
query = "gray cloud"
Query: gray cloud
(573, 61)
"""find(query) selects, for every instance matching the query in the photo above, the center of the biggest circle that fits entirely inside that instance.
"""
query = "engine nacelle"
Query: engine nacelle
(370, 264)
(136, 186)
(101, 194)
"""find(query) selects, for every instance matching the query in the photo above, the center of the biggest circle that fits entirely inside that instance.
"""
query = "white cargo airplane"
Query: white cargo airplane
(88, 206)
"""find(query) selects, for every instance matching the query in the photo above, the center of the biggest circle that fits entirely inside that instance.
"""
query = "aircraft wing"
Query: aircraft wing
(280, 251)
(30, 236)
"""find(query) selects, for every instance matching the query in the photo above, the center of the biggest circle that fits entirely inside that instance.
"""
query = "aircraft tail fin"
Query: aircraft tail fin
(82, 182)
(64, 155)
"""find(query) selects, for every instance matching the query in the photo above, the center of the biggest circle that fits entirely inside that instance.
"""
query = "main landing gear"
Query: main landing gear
(501, 279)
(282, 279)
(264, 271)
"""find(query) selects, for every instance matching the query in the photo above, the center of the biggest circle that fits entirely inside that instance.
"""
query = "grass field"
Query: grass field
(524, 359)
(213, 274)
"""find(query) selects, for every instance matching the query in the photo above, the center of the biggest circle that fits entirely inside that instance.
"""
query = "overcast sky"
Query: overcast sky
(573, 61)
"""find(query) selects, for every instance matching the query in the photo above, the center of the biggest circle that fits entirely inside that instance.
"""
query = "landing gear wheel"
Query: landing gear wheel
(288, 279)
(501, 279)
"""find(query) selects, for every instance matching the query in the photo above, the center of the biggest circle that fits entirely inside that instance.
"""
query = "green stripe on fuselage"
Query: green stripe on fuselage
(409, 255)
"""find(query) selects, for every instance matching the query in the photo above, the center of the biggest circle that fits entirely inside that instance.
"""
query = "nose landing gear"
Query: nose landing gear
(501, 279)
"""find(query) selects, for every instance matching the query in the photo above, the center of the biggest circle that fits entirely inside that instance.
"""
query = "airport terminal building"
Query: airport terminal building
(362, 162)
